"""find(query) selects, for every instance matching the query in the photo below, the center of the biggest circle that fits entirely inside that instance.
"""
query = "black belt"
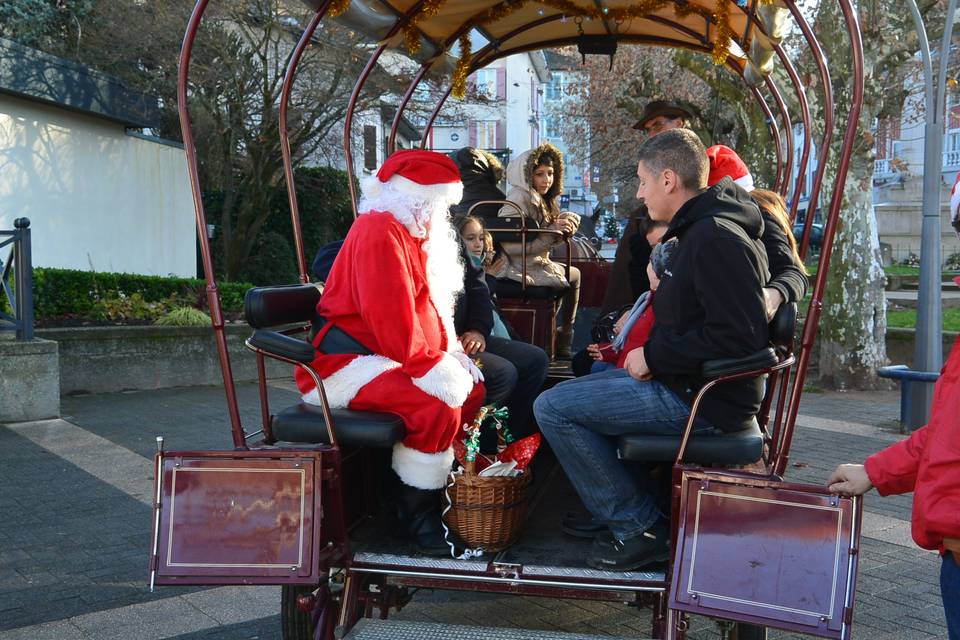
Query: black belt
(336, 339)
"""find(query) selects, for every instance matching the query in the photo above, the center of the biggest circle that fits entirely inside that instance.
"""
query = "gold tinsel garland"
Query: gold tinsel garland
(641, 9)
(337, 7)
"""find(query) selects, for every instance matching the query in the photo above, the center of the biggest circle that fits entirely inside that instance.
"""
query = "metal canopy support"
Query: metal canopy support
(352, 105)
(285, 137)
(928, 348)
(827, 139)
(213, 297)
(815, 309)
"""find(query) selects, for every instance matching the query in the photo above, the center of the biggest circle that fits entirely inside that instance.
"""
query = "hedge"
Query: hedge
(69, 292)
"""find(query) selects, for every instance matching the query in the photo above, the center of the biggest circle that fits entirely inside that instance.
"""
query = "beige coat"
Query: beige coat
(541, 271)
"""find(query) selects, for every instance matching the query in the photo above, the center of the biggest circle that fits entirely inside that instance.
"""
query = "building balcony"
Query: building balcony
(951, 159)
(882, 167)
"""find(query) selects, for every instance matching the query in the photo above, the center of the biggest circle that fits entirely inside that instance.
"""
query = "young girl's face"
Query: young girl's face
(542, 179)
(472, 235)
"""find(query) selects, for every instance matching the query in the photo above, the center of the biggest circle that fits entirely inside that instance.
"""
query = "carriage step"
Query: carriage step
(372, 629)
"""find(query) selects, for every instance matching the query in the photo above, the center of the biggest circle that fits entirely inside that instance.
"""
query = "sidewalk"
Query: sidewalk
(75, 522)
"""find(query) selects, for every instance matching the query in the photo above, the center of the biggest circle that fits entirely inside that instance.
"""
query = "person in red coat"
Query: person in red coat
(927, 463)
(392, 289)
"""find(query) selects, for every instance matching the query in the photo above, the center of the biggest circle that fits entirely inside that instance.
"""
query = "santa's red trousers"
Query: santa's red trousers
(431, 424)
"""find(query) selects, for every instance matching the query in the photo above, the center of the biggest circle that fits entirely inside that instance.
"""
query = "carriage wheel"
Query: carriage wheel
(744, 631)
(301, 608)
(296, 624)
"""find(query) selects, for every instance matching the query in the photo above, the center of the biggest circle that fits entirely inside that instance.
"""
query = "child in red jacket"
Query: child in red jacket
(634, 327)
(927, 463)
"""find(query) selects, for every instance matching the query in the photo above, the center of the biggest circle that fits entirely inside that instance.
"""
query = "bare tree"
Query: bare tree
(853, 325)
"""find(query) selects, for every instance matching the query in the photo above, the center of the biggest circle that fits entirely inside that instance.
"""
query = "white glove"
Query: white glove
(467, 363)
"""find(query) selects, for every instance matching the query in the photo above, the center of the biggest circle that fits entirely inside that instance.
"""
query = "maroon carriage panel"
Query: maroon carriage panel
(238, 518)
(739, 539)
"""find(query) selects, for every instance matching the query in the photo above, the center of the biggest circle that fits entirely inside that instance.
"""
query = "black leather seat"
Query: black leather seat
(732, 448)
(304, 423)
(268, 307)
(739, 447)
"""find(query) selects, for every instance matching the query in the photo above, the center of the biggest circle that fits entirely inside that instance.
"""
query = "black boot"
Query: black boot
(419, 511)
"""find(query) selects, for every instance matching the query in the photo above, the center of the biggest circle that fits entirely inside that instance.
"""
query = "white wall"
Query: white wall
(96, 197)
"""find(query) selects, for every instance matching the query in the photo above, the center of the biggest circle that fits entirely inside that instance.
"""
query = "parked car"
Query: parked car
(816, 235)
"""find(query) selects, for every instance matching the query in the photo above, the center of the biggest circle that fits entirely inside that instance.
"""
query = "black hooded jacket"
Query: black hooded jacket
(480, 172)
(709, 304)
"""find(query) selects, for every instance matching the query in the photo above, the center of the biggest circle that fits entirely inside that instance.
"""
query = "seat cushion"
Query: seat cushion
(304, 423)
(737, 447)
(513, 289)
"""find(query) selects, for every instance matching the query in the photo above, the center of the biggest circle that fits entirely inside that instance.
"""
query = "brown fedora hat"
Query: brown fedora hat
(661, 108)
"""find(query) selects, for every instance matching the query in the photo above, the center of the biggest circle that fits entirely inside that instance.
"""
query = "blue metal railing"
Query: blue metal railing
(906, 377)
(20, 297)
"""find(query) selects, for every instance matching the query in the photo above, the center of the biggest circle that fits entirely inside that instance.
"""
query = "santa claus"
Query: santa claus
(392, 289)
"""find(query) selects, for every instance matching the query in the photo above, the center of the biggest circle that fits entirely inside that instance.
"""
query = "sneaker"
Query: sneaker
(650, 547)
(583, 526)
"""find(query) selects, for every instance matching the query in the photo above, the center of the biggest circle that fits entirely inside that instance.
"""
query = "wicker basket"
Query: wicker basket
(487, 512)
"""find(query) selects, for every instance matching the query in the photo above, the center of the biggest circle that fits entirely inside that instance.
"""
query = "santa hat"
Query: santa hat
(724, 162)
(423, 175)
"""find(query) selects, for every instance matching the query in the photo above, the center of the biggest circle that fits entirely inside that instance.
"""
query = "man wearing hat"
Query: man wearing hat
(392, 290)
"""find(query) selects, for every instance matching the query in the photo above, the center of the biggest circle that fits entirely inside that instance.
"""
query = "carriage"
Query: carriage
(294, 503)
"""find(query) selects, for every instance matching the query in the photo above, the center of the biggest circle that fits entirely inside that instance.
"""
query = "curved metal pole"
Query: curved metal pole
(807, 137)
(833, 217)
(824, 150)
(285, 138)
(213, 297)
(355, 95)
(392, 140)
(783, 181)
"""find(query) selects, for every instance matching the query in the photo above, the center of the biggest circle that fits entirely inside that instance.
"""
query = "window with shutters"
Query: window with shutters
(486, 134)
(486, 83)
(369, 147)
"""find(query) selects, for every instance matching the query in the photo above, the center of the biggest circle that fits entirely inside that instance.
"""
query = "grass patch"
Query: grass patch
(907, 319)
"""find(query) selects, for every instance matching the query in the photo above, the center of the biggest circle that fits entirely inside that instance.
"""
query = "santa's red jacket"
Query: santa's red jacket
(378, 294)
(928, 463)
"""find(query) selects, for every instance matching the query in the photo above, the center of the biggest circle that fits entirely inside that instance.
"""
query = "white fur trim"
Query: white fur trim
(745, 181)
(450, 192)
(422, 470)
(343, 385)
(447, 381)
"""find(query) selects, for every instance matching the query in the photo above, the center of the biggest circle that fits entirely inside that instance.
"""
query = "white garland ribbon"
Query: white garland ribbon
(468, 553)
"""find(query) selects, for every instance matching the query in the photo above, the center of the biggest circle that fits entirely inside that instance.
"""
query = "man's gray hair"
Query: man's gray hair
(681, 151)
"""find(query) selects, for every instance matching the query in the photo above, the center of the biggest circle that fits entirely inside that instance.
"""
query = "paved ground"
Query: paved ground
(75, 525)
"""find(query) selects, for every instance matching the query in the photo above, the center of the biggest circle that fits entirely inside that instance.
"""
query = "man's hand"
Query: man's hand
(472, 342)
(772, 299)
(850, 480)
(636, 365)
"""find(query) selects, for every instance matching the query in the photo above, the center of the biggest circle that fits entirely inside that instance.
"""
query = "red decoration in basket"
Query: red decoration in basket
(521, 450)
(460, 451)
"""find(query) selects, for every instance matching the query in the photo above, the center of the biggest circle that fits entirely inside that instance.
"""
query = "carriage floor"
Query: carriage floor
(542, 548)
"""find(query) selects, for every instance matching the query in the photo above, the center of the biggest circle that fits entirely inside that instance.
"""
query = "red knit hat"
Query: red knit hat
(724, 162)
(426, 175)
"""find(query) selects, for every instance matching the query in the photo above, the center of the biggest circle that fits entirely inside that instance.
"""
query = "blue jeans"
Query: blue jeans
(581, 419)
(950, 592)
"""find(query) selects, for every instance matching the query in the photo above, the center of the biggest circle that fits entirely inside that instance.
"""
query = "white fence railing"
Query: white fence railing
(951, 159)
(882, 167)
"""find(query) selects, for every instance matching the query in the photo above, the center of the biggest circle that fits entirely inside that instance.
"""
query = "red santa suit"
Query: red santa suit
(392, 288)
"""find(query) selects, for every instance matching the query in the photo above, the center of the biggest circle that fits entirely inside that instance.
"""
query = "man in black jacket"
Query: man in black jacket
(709, 305)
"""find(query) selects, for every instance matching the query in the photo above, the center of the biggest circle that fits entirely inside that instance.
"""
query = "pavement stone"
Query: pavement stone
(73, 562)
